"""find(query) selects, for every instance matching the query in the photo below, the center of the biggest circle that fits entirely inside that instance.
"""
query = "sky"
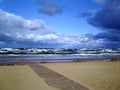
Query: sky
(59, 23)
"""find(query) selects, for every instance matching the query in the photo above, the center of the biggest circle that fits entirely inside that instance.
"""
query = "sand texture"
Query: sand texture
(54, 79)
(95, 75)
(21, 78)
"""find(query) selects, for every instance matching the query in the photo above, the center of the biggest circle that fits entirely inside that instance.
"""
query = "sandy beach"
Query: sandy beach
(21, 77)
(95, 75)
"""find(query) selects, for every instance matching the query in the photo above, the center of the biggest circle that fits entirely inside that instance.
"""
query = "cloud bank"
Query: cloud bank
(15, 31)
(107, 19)
(108, 16)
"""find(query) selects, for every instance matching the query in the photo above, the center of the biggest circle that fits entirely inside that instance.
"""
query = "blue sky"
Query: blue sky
(59, 23)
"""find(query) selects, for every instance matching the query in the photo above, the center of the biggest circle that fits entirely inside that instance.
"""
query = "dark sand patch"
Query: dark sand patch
(54, 79)
(96, 75)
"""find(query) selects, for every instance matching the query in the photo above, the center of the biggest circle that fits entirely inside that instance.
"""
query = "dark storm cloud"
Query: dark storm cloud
(107, 19)
(110, 39)
(109, 36)
(49, 8)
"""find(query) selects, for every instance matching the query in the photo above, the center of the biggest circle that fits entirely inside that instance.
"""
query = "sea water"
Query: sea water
(9, 58)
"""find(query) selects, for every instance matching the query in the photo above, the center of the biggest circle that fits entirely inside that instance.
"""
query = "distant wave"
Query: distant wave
(5, 58)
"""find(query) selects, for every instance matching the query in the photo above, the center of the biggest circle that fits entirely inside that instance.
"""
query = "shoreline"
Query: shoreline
(42, 62)
(47, 58)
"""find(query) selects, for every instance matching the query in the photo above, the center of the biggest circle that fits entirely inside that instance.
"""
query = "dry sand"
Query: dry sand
(21, 78)
(96, 75)
(54, 79)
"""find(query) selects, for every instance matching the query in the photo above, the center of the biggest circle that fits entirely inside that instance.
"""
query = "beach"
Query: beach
(89, 75)
(95, 75)
(21, 77)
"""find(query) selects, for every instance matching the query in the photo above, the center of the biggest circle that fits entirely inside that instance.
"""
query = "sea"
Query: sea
(12, 58)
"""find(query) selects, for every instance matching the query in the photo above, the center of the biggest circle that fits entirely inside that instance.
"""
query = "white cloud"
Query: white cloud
(13, 23)
(18, 31)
